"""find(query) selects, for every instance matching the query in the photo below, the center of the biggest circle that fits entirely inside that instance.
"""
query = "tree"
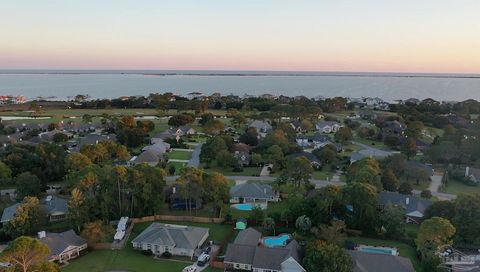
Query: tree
(214, 127)
(333, 233)
(96, 232)
(257, 214)
(29, 217)
(433, 233)
(5, 173)
(180, 120)
(269, 224)
(393, 221)
(87, 118)
(60, 137)
(27, 254)
(409, 147)
(326, 154)
(225, 159)
(426, 194)
(344, 134)
(397, 163)
(77, 209)
(298, 171)
(366, 170)
(303, 223)
(76, 162)
(274, 154)
(467, 218)
(217, 190)
(389, 180)
(324, 257)
(362, 198)
(414, 129)
(250, 137)
(27, 185)
(256, 159)
(444, 209)
(405, 188)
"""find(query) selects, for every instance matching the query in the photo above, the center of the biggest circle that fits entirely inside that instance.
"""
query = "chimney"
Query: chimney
(467, 171)
(42, 234)
(174, 190)
(407, 200)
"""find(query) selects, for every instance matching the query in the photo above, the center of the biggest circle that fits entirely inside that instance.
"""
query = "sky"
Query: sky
(295, 35)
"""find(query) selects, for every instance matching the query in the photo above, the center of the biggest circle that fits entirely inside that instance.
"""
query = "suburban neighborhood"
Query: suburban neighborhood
(229, 183)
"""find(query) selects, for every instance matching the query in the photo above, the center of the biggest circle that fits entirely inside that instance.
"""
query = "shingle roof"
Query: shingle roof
(58, 242)
(56, 205)
(9, 212)
(172, 235)
(147, 156)
(323, 124)
(249, 236)
(375, 262)
(254, 190)
(237, 253)
(414, 203)
(272, 258)
(308, 156)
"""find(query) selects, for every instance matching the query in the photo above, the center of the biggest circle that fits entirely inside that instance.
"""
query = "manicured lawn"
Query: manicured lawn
(456, 187)
(404, 249)
(178, 166)
(179, 155)
(247, 171)
(322, 175)
(272, 207)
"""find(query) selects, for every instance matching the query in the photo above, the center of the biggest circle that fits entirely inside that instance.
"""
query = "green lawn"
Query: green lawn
(179, 155)
(457, 187)
(247, 171)
(272, 207)
(322, 175)
(178, 166)
(130, 260)
(404, 249)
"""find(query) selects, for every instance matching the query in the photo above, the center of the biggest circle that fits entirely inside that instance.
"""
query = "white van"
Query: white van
(203, 259)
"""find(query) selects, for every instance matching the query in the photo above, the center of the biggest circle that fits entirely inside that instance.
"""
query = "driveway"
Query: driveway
(195, 160)
(372, 151)
(436, 183)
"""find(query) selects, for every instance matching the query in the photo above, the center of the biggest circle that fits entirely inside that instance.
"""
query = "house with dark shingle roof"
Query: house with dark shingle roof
(63, 246)
(414, 206)
(371, 262)
(179, 240)
(148, 156)
(314, 161)
(253, 192)
(55, 207)
(246, 254)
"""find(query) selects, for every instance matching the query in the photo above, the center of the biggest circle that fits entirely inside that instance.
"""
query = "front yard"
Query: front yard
(179, 155)
(457, 187)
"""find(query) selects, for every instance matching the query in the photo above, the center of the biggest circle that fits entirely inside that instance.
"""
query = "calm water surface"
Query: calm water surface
(107, 85)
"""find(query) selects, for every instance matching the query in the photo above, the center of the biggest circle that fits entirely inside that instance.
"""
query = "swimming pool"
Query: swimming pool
(380, 250)
(248, 206)
(276, 241)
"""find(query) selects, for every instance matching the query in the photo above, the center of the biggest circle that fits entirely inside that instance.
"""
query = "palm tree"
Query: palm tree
(269, 224)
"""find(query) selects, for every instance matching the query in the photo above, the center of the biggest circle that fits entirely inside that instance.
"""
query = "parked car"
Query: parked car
(203, 259)
(207, 250)
(190, 268)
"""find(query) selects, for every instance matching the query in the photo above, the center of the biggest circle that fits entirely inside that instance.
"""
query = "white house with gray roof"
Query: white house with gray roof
(63, 246)
(55, 207)
(253, 192)
(328, 126)
(179, 240)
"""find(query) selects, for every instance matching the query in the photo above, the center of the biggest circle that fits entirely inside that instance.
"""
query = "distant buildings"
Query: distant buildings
(9, 99)
(328, 126)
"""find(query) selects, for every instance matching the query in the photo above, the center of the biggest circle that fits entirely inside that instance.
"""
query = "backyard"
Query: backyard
(179, 155)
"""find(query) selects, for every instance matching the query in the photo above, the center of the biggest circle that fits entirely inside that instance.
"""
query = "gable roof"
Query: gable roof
(415, 204)
(148, 156)
(368, 262)
(260, 125)
(59, 242)
(54, 204)
(9, 212)
(237, 253)
(249, 236)
(307, 155)
(187, 237)
(323, 124)
(254, 190)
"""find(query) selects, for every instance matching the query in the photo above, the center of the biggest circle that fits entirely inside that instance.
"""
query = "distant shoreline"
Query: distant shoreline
(236, 73)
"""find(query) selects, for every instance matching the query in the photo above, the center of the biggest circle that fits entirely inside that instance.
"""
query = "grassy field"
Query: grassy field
(323, 175)
(178, 166)
(404, 249)
(180, 155)
(456, 187)
(130, 260)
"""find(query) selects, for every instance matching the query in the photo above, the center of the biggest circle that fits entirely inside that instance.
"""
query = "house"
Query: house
(253, 192)
(55, 207)
(369, 153)
(297, 126)
(63, 246)
(414, 206)
(179, 240)
(262, 127)
(246, 254)
(472, 174)
(48, 136)
(184, 131)
(304, 141)
(162, 136)
(367, 261)
(314, 161)
(393, 128)
(241, 152)
(149, 157)
(319, 140)
(328, 126)
(159, 147)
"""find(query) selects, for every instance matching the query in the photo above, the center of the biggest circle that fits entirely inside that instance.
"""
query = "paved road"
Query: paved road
(441, 196)
(195, 160)
(435, 183)
(372, 151)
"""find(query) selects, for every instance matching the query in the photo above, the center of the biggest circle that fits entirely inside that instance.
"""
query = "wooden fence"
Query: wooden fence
(176, 218)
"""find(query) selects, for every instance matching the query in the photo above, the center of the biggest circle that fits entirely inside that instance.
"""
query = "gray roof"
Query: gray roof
(9, 212)
(254, 190)
(260, 125)
(55, 204)
(414, 203)
(172, 235)
(237, 253)
(249, 236)
(323, 124)
(158, 148)
(148, 156)
(58, 242)
(375, 262)
(416, 164)
(271, 258)
(318, 137)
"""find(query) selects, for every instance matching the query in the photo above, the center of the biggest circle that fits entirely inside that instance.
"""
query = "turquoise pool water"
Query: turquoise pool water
(277, 241)
(247, 206)
(378, 250)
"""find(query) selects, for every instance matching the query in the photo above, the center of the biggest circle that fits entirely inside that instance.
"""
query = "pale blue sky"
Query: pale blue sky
(367, 35)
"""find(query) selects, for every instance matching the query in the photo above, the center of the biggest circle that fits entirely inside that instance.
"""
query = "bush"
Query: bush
(167, 254)
(238, 168)
(147, 252)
